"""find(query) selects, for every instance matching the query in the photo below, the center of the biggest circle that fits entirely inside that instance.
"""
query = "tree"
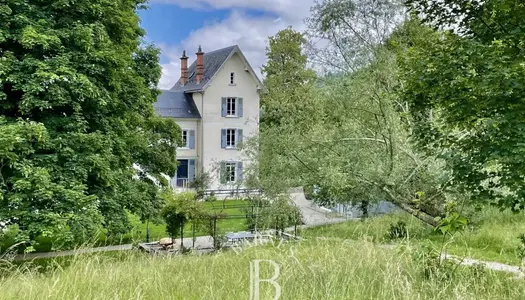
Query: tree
(290, 91)
(180, 208)
(354, 143)
(344, 34)
(362, 152)
(76, 94)
(175, 219)
(464, 89)
(208, 223)
(200, 184)
(278, 213)
(289, 83)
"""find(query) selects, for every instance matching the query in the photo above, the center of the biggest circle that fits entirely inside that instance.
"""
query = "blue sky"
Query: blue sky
(175, 25)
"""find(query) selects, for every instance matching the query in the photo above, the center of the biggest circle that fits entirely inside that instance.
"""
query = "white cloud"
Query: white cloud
(289, 8)
(249, 32)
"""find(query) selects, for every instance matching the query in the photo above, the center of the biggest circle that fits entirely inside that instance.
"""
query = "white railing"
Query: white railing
(183, 183)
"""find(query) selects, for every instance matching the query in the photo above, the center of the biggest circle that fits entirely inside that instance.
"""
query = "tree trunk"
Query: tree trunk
(193, 233)
(182, 237)
(426, 218)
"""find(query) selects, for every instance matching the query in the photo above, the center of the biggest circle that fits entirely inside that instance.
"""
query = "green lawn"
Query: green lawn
(492, 235)
(229, 207)
(157, 231)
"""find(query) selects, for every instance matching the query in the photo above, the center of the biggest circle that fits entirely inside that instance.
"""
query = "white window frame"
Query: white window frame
(231, 171)
(231, 107)
(232, 78)
(187, 133)
(231, 138)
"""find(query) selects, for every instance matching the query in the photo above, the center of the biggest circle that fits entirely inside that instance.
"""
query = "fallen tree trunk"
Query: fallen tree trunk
(407, 208)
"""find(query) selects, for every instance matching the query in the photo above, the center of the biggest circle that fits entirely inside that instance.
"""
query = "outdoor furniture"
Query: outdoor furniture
(235, 237)
(166, 243)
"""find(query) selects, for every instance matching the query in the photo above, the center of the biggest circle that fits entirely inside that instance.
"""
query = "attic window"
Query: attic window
(232, 78)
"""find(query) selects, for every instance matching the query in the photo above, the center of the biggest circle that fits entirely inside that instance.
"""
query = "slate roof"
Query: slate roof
(212, 62)
(176, 105)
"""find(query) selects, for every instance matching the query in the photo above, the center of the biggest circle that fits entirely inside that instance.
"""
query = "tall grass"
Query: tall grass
(314, 269)
(490, 235)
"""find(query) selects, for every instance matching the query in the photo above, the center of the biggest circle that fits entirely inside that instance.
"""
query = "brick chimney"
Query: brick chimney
(200, 64)
(184, 68)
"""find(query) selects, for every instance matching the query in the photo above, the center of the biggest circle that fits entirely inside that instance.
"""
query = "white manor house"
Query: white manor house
(216, 104)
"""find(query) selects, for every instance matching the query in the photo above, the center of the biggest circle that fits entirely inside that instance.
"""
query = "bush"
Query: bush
(521, 247)
(211, 198)
(432, 266)
(201, 183)
(398, 231)
(276, 214)
(178, 209)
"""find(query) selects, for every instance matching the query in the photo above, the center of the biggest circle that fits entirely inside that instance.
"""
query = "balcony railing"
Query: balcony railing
(183, 183)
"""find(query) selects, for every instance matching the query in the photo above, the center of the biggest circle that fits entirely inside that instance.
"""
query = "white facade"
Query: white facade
(217, 134)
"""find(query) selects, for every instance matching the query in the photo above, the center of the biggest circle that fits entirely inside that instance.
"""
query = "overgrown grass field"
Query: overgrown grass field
(313, 269)
(491, 234)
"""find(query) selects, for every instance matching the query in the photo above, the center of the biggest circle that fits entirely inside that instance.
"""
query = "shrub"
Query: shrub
(276, 214)
(398, 231)
(521, 247)
(201, 183)
(211, 198)
(433, 267)
(178, 209)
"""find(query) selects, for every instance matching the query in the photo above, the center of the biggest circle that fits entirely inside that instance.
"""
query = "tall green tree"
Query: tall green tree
(354, 143)
(464, 86)
(364, 146)
(344, 34)
(288, 105)
(76, 94)
(289, 83)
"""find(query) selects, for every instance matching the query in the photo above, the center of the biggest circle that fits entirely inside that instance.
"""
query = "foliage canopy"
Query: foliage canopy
(76, 94)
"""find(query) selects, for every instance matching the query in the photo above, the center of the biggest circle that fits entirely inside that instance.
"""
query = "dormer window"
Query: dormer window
(232, 78)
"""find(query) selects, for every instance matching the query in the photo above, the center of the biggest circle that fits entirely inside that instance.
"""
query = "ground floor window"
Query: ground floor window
(185, 172)
(230, 172)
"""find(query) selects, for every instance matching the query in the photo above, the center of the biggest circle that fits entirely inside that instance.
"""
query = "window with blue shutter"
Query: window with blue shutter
(191, 139)
(232, 107)
(228, 172)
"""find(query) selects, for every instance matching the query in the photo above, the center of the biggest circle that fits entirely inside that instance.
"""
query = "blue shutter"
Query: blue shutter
(191, 170)
(238, 139)
(223, 138)
(191, 139)
(223, 107)
(239, 107)
(222, 173)
(239, 172)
